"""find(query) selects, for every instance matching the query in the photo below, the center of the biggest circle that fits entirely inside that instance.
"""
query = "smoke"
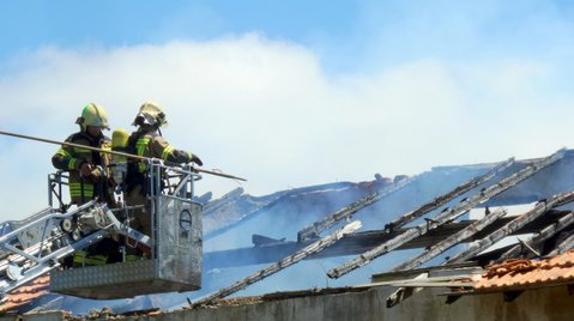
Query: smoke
(423, 84)
(287, 215)
(266, 110)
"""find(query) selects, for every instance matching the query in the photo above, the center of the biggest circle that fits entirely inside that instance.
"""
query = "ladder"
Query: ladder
(36, 245)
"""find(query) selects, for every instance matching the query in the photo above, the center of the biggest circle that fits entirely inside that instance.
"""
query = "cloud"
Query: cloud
(266, 110)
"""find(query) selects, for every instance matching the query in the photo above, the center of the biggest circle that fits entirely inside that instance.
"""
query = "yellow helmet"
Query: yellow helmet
(93, 115)
(150, 114)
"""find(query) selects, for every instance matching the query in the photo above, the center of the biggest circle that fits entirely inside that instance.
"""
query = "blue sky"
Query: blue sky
(293, 93)
(348, 35)
(123, 23)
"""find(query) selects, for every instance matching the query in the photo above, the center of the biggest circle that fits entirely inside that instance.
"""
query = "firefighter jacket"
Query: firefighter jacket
(150, 144)
(67, 158)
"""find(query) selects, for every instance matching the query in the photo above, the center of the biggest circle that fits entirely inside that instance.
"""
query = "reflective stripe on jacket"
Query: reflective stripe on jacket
(82, 258)
(153, 145)
(70, 159)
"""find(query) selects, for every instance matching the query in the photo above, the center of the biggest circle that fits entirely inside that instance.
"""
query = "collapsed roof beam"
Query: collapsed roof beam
(296, 257)
(564, 246)
(360, 242)
(314, 230)
(446, 198)
(450, 241)
(447, 216)
(539, 209)
(402, 293)
(516, 224)
(540, 237)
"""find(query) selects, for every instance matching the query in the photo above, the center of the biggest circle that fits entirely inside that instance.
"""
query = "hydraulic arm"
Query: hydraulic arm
(35, 246)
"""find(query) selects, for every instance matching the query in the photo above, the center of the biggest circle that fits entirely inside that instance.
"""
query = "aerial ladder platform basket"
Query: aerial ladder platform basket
(175, 246)
(173, 261)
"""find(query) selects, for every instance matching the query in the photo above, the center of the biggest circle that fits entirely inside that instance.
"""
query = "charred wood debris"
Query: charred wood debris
(440, 230)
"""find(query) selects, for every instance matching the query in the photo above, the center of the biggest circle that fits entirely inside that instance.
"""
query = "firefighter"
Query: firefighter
(147, 141)
(87, 169)
(88, 177)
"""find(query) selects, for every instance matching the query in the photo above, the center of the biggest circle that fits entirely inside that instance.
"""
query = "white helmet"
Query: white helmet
(150, 114)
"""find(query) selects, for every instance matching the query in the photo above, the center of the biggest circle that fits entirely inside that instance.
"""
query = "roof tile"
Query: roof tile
(25, 294)
(521, 273)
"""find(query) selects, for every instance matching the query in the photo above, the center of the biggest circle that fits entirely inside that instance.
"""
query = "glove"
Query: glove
(86, 169)
(98, 171)
(196, 160)
(96, 174)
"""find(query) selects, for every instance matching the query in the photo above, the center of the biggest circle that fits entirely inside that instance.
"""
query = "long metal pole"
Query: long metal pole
(111, 152)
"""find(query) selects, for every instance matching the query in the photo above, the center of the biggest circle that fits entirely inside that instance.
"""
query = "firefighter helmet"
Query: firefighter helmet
(93, 115)
(150, 114)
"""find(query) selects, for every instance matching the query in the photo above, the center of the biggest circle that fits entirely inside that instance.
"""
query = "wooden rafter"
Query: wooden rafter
(539, 209)
(446, 216)
(287, 261)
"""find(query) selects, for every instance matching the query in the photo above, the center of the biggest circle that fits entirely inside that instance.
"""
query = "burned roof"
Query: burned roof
(494, 181)
(425, 212)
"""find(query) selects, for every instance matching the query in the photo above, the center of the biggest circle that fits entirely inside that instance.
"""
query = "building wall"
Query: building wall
(536, 305)
(546, 304)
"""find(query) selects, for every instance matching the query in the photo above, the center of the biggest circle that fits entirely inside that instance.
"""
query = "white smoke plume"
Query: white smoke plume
(266, 110)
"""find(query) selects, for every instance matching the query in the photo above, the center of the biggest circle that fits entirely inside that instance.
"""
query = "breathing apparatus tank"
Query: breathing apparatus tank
(120, 139)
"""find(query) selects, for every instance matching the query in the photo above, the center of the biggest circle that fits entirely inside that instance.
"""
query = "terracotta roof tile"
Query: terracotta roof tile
(25, 294)
(521, 273)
